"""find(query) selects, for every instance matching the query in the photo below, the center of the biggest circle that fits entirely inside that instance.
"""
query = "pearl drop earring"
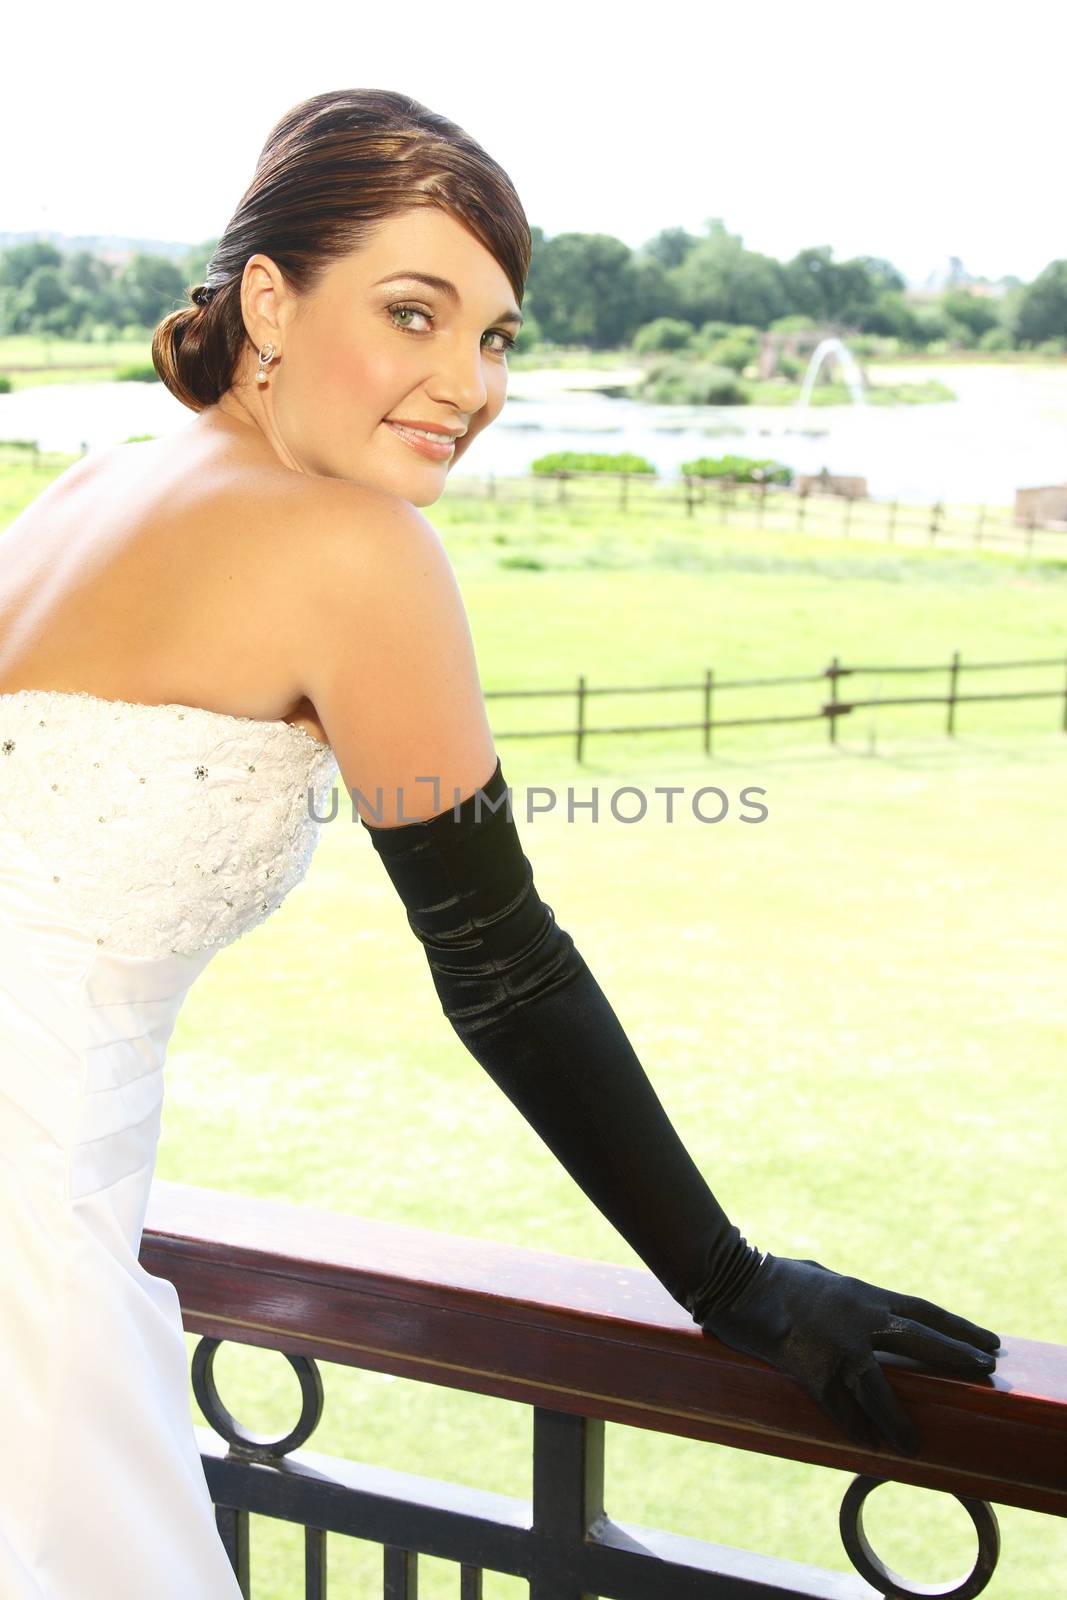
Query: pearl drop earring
(266, 356)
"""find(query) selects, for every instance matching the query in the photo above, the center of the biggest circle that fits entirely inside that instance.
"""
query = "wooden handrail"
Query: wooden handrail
(577, 1336)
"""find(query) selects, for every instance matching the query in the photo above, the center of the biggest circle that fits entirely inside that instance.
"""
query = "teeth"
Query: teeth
(421, 433)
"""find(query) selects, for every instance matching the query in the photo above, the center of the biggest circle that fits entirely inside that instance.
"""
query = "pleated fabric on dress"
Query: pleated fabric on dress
(135, 841)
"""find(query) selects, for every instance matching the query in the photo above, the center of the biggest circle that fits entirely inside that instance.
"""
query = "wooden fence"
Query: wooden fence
(831, 709)
(776, 509)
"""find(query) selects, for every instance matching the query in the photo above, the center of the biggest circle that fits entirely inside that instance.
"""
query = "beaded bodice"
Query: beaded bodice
(166, 829)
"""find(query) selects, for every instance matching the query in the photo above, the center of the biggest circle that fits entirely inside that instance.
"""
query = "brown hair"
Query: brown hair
(332, 168)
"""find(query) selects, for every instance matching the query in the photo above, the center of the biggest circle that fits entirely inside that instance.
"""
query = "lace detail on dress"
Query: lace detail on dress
(167, 829)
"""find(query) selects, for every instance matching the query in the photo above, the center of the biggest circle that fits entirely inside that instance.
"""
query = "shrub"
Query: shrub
(996, 339)
(794, 323)
(693, 383)
(1052, 347)
(743, 469)
(590, 461)
(5, 383)
(735, 353)
(664, 333)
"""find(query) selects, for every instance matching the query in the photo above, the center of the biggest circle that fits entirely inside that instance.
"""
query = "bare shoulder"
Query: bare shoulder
(385, 650)
(353, 527)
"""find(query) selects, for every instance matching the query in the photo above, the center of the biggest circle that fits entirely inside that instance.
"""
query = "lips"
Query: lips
(427, 427)
(439, 448)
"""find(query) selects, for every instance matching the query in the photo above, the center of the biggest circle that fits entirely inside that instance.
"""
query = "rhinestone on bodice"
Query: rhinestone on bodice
(131, 809)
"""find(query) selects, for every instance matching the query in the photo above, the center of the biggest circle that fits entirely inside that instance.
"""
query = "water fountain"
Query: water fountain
(849, 366)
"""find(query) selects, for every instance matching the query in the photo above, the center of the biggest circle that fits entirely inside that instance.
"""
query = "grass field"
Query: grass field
(853, 1011)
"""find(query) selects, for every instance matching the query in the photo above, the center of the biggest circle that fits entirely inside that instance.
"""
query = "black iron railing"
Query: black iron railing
(582, 1343)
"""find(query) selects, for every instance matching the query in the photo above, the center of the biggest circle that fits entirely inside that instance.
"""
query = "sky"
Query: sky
(913, 132)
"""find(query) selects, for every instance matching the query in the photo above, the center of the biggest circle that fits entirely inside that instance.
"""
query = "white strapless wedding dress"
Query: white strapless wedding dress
(135, 841)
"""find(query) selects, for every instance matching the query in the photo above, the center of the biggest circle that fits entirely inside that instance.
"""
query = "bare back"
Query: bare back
(156, 572)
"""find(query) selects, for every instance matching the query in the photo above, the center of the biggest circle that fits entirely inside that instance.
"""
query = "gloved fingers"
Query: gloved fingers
(906, 1338)
(910, 1305)
(842, 1407)
(871, 1388)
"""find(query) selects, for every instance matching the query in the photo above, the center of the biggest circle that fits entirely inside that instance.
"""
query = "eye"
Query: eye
(413, 311)
(400, 310)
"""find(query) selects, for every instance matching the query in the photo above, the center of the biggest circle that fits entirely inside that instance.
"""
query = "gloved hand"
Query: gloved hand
(521, 998)
(822, 1327)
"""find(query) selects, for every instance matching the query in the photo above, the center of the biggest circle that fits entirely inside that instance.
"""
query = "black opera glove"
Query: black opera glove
(526, 1006)
(823, 1327)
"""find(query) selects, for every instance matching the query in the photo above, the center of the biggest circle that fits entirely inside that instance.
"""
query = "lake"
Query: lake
(1006, 430)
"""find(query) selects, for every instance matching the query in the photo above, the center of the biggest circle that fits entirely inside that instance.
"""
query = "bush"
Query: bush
(735, 353)
(790, 366)
(664, 333)
(137, 372)
(693, 383)
(794, 323)
(996, 339)
(864, 344)
(743, 469)
(5, 383)
(583, 461)
(1052, 347)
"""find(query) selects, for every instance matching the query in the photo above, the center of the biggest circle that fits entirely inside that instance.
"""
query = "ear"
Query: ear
(264, 297)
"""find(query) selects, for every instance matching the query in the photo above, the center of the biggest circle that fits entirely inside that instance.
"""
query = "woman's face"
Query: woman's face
(359, 355)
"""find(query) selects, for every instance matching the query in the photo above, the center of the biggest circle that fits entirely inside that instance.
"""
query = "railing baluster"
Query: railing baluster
(232, 1523)
(400, 1574)
(314, 1563)
(568, 1497)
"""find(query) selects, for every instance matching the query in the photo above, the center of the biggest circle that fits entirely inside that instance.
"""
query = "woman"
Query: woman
(197, 631)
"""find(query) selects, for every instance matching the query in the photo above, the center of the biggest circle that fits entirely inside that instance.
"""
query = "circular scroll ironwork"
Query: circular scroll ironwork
(242, 1442)
(890, 1584)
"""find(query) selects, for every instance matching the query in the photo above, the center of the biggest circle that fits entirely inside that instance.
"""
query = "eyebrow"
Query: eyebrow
(514, 317)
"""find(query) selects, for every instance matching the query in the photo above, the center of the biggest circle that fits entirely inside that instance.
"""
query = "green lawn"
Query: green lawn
(853, 1011)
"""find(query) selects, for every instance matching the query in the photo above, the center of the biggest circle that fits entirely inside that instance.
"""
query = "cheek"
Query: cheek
(358, 374)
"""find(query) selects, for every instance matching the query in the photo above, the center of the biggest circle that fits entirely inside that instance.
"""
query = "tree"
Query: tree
(149, 287)
(20, 261)
(974, 312)
(582, 289)
(1040, 309)
(720, 280)
(670, 246)
(843, 292)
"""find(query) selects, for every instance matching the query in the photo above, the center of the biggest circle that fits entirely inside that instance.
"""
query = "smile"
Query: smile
(434, 446)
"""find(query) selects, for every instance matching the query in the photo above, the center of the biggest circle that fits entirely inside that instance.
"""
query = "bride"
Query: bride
(198, 634)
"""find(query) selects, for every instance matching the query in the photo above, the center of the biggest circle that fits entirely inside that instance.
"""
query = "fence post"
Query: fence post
(832, 672)
(935, 515)
(561, 487)
(688, 495)
(760, 504)
(624, 483)
(707, 711)
(724, 504)
(580, 730)
(979, 527)
(954, 672)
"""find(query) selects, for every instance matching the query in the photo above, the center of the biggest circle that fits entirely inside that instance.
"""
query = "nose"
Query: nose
(459, 382)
